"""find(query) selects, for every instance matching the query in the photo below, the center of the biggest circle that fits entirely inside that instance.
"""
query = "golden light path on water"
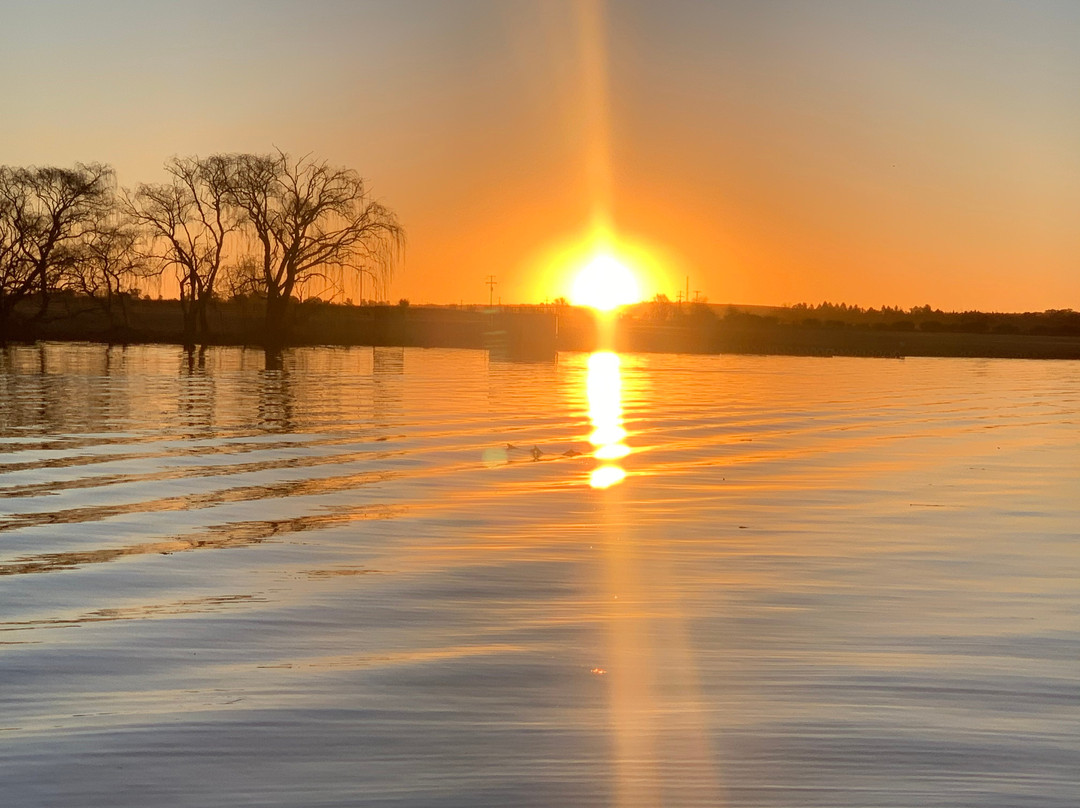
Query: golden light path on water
(662, 751)
(604, 392)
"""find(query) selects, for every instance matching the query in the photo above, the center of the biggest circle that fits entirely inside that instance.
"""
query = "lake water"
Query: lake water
(716, 581)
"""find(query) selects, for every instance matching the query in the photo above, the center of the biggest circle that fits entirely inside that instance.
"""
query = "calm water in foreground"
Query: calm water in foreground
(791, 582)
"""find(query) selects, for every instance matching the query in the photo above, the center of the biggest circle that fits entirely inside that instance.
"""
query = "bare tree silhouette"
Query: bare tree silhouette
(108, 266)
(309, 219)
(44, 214)
(270, 226)
(188, 222)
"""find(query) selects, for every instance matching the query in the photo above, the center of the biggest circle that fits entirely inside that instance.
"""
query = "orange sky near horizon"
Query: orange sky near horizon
(876, 154)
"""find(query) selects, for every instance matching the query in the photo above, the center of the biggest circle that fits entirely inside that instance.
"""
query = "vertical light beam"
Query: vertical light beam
(596, 110)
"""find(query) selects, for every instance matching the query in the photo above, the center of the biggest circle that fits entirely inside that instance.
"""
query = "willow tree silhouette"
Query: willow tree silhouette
(308, 219)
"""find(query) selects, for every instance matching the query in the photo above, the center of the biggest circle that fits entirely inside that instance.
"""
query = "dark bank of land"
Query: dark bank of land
(541, 331)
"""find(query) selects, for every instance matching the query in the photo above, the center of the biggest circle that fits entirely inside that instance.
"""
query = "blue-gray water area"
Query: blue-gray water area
(409, 577)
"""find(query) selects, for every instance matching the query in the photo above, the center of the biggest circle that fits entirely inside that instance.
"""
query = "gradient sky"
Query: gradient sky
(895, 153)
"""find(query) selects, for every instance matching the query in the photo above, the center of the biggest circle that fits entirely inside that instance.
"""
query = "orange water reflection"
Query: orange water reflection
(604, 391)
(661, 747)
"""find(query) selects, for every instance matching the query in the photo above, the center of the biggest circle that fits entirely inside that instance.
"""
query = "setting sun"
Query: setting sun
(605, 283)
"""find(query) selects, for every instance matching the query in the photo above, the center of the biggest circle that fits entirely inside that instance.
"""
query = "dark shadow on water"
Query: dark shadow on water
(216, 537)
(388, 361)
(204, 605)
(541, 355)
(273, 359)
(248, 493)
(230, 469)
(277, 403)
(387, 375)
(196, 397)
(51, 388)
(195, 358)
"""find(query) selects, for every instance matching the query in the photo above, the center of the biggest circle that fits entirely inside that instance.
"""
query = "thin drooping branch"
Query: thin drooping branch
(108, 267)
(308, 218)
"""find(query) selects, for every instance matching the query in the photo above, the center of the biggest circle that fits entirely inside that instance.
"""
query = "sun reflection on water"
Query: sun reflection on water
(604, 391)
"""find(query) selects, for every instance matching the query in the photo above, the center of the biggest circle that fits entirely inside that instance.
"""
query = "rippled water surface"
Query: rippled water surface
(429, 577)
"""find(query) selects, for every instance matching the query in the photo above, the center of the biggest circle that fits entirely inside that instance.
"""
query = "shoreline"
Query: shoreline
(538, 332)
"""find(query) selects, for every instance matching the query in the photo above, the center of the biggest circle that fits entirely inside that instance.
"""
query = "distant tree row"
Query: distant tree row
(827, 308)
(927, 318)
(267, 226)
(1061, 322)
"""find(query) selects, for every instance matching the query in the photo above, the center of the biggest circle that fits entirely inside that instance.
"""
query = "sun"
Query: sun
(605, 283)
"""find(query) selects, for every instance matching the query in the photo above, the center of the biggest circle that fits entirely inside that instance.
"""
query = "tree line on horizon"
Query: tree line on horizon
(1061, 322)
(263, 226)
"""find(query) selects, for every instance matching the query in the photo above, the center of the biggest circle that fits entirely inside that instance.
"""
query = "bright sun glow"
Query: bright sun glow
(601, 268)
(605, 283)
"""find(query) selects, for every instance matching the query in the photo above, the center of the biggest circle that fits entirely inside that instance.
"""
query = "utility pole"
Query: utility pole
(491, 283)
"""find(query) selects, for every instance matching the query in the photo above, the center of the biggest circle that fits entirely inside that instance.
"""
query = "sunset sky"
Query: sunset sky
(875, 153)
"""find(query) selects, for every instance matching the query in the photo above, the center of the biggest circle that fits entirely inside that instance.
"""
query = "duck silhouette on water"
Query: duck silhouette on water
(537, 453)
